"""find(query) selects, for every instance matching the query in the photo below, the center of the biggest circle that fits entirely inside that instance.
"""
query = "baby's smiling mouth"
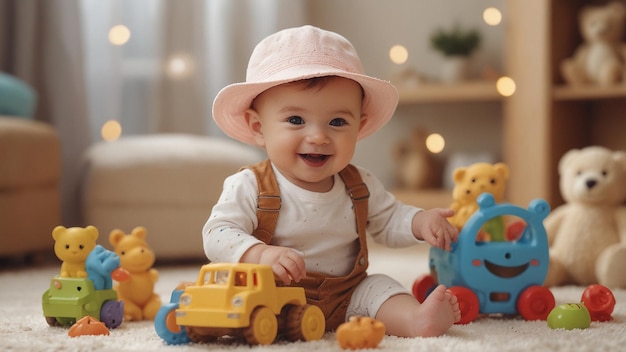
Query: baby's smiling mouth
(314, 158)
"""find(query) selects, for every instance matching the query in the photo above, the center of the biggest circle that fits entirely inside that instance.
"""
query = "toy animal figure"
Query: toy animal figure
(140, 301)
(472, 181)
(72, 246)
(600, 59)
(101, 265)
(587, 234)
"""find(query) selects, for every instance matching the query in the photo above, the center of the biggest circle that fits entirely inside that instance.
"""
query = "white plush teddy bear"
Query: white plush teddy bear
(587, 235)
(600, 59)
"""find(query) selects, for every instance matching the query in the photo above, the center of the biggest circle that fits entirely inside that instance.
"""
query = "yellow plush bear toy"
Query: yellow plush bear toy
(73, 245)
(472, 181)
(140, 301)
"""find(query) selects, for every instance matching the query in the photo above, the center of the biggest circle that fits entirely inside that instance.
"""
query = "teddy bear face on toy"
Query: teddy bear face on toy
(478, 178)
(72, 246)
(472, 181)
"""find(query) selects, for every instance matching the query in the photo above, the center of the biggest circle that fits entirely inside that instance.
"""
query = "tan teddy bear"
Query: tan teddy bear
(600, 59)
(587, 235)
(72, 246)
(416, 166)
(140, 301)
(472, 181)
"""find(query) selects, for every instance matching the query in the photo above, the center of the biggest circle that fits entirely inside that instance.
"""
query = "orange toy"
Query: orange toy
(360, 333)
(88, 326)
(140, 301)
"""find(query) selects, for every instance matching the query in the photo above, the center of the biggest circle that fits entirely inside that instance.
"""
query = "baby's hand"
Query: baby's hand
(286, 263)
(433, 227)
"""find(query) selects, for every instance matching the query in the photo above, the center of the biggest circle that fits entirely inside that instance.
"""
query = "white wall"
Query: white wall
(374, 26)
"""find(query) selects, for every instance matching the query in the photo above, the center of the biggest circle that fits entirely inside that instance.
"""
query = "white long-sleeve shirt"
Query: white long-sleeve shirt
(319, 226)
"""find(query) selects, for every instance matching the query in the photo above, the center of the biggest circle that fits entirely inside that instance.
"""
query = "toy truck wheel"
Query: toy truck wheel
(423, 286)
(166, 327)
(468, 304)
(535, 303)
(52, 321)
(263, 327)
(306, 323)
(112, 313)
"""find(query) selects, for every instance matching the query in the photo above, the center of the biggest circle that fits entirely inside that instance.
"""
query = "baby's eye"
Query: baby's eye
(338, 122)
(295, 120)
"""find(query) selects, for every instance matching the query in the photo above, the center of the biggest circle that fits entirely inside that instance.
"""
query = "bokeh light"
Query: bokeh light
(505, 86)
(111, 130)
(398, 54)
(435, 143)
(119, 35)
(179, 66)
(492, 16)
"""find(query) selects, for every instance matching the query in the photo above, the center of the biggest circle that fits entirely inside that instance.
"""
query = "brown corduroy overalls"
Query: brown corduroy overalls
(332, 294)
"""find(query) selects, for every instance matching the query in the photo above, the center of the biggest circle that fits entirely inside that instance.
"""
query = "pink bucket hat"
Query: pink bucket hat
(300, 53)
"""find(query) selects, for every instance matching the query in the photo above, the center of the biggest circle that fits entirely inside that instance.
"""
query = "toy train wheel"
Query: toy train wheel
(112, 313)
(263, 327)
(423, 286)
(166, 327)
(468, 304)
(535, 303)
(306, 323)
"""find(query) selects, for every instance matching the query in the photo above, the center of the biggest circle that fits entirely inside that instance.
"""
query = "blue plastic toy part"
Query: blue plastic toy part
(165, 322)
(504, 276)
(99, 264)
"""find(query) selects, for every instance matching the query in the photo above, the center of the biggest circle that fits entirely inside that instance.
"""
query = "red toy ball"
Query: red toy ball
(600, 302)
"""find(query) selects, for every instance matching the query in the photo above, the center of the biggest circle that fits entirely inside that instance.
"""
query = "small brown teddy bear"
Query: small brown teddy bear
(587, 235)
(140, 301)
(360, 333)
(472, 181)
(416, 166)
(600, 59)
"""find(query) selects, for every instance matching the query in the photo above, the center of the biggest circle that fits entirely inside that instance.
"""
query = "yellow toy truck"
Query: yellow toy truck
(238, 299)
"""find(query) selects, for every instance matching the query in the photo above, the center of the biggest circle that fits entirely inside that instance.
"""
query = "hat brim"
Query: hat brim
(230, 104)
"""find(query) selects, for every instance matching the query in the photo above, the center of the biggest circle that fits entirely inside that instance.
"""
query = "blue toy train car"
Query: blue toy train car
(496, 277)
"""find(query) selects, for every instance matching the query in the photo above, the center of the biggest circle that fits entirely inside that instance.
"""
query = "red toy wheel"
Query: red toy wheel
(423, 286)
(535, 303)
(600, 302)
(468, 304)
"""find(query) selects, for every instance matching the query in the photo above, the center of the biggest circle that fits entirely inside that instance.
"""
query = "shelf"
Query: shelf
(471, 91)
(567, 92)
(424, 198)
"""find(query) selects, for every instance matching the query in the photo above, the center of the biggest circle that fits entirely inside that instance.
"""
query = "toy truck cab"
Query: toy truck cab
(490, 277)
(238, 300)
(69, 299)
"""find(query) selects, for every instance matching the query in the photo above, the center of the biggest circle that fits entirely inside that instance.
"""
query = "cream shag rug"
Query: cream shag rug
(23, 327)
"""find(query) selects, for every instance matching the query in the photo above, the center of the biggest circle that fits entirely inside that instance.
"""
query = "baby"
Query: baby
(305, 210)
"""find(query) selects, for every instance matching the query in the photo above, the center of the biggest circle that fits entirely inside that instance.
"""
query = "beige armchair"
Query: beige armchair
(30, 172)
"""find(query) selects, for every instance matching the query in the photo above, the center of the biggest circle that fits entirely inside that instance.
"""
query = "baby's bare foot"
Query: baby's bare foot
(437, 313)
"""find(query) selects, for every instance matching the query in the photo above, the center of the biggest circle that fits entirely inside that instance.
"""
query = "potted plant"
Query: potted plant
(456, 45)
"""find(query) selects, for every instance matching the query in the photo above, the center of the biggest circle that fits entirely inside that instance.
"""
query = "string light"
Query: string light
(435, 143)
(505, 86)
(111, 130)
(492, 16)
(119, 35)
(398, 54)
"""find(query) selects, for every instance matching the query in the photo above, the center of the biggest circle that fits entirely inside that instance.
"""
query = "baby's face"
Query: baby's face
(309, 133)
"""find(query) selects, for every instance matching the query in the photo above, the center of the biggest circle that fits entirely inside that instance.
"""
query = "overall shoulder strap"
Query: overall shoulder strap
(269, 203)
(358, 192)
(268, 200)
